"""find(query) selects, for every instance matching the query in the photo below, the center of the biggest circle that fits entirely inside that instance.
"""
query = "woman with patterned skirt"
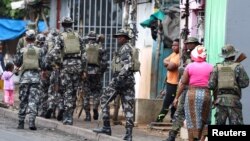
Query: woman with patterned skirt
(198, 100)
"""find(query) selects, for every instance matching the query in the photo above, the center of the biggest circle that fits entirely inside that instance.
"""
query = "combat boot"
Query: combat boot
(32, 125)
(54, 113)
(20, 124)
(60, 115)
(171, 136)
(48, 113)
(128, 135)
(105, 129)
(96, 114)
(88, 116)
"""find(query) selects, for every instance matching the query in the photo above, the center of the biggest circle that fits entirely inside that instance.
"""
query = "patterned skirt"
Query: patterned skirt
(197, 111)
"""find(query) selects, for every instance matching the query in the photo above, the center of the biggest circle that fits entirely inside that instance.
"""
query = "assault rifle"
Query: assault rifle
(240, 57)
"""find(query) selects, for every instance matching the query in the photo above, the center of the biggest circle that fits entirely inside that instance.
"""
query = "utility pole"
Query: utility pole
(186, 30)
(130, 13)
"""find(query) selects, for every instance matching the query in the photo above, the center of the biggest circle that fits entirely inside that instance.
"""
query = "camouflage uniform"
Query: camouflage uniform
(92, 84)
(71, 67)
(228, 103)
(122, 83)
(55, 98)
(29, 89)
(179, 115)
(40, 42)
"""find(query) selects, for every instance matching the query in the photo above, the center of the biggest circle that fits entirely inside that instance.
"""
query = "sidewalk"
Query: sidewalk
(81, 128)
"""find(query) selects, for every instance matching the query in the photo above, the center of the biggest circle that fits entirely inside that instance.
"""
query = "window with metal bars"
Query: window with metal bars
(101, 16)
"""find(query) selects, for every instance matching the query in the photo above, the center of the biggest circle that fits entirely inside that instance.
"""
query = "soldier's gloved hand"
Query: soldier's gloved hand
(114, 82)
(84, 75)
(44, 75)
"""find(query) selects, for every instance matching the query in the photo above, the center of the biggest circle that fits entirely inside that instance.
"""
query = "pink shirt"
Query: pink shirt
(8, 83)
(199, 73)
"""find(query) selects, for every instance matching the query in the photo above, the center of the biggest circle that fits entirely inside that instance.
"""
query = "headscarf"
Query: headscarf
(199, 54)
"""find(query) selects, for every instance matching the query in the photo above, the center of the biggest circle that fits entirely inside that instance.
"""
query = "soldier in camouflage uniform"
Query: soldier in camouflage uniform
(227, 80)
(55, 98)
(97, 65)
(41, 43)
(179, 115)
(69, 49)
(122, 83)
(29, 59)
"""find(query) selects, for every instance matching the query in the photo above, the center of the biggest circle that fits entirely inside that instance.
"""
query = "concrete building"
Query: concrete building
(227, 23)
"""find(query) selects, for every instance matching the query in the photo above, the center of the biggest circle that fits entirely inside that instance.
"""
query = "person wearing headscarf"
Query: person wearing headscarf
(198, 100)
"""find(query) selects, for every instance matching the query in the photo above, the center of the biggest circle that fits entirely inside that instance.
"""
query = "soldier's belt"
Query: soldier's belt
(64, 58)
(228, 96)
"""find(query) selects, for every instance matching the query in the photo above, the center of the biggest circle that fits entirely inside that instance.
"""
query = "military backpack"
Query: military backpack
(226, 76)
(71, 43)
(92, 51)
(30, 57)
(116, 66)
(135, 59)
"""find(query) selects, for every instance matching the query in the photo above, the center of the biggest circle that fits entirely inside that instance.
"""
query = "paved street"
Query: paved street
(8, 132)
(141, 133)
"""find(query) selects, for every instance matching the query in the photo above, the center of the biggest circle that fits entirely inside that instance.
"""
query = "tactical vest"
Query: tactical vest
(226, 76)
(92, 51)
(116, 65)
(30, 58)
(135, 59)
(71, 43)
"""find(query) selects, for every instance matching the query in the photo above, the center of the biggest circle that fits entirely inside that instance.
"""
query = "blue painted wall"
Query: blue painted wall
(164, 52)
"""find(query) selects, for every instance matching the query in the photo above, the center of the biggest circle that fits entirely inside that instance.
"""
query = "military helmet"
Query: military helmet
(66, 20)
(228, 51)
(122, 32)
(40, 38)
(91, 35)
(54, 32)
(30, 34)
(191, 40)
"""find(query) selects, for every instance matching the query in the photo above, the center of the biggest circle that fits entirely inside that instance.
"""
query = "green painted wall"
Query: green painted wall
(215, 30)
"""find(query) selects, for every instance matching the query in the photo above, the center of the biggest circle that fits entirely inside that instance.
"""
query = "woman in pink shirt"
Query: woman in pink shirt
(8, 85)
(198, 100)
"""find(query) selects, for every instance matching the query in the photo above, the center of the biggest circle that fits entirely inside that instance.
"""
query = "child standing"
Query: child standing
(8, 85)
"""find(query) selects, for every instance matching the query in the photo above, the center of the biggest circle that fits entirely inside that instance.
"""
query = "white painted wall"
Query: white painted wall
(144, 41)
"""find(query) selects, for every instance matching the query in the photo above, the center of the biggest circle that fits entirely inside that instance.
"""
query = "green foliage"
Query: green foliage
(6, 11)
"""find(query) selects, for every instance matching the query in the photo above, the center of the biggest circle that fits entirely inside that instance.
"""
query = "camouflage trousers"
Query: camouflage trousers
(234, 114)
(127, 95)
(44, 95)
(179, 115)
(92, 87)
(69, 85)
(29, 100)
(55, 98)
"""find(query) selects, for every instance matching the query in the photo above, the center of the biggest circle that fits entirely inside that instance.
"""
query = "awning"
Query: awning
(159, 15)
(12, 29)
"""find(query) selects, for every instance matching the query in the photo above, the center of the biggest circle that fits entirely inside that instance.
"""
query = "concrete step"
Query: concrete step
(163, 126)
